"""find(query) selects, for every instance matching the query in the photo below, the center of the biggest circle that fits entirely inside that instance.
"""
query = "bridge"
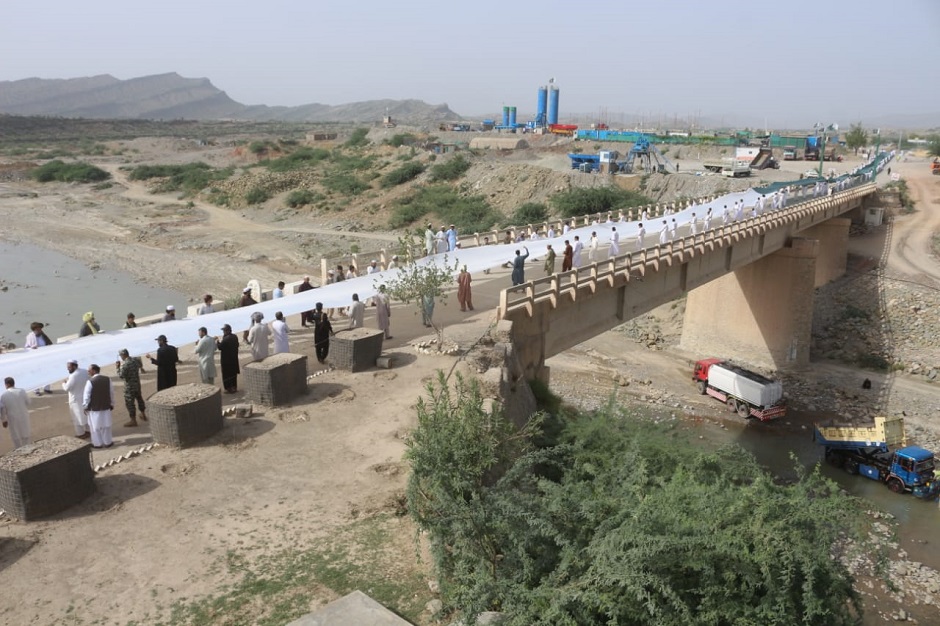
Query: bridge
(750, 287)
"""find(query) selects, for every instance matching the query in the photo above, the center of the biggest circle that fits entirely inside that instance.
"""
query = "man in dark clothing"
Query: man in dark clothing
(322, 329)
(518, 267)
(228, 359)
(167, 358)
(246, 300)
(306, 316)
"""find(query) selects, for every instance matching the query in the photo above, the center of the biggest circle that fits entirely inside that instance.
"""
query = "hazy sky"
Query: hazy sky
(792, 61)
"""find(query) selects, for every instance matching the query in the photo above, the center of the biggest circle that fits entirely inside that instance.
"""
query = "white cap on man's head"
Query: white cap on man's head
(246, 290)
(170, 307)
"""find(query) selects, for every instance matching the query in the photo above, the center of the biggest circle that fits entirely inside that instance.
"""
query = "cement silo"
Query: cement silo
(553, 105)
(541, 114)
(512, 116)
(505, 116)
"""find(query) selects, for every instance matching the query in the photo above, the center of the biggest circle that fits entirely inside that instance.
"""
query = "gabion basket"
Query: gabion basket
(185, 415)
(356, 350)
(276, 380)
(46, 477)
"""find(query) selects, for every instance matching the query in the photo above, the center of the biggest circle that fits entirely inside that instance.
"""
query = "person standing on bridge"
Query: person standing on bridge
(693, 225)
(664, 234)
(518, 267)
(673, 228)
(614, 248)
(708, 220)
(640, 234)
(578, 247)
(549, 260)
(592, 248)
(568, 258)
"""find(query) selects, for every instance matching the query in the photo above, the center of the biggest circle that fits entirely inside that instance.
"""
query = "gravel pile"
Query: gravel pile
(183, 394)
(39, 452)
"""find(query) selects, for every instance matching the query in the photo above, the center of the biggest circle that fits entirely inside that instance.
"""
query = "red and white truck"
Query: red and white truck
(743, 391)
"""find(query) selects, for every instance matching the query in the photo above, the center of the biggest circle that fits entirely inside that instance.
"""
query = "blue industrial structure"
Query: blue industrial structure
(650, 159)
(553, 105)
(506, 117)
(512, 117)
(541, 112)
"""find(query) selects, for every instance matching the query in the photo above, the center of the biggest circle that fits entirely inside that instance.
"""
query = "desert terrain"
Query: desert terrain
(293, 507)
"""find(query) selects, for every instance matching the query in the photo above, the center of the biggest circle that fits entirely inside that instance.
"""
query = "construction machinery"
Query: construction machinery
(764, 159)
(790, 154)
(867, 451)
(650, 158)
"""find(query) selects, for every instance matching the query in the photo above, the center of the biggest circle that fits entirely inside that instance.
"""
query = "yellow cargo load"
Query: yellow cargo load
(887, 431)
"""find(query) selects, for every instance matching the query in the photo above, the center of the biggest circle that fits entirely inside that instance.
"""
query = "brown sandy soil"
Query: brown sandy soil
(167, 526)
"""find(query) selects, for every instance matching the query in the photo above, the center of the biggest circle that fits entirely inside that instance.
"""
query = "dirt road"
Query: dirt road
(913, 234)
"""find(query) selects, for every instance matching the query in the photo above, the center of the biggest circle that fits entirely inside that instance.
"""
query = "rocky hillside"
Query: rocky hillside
(171, 96)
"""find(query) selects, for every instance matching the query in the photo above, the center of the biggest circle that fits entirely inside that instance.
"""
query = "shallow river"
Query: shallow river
(772, 444)
(48, 287)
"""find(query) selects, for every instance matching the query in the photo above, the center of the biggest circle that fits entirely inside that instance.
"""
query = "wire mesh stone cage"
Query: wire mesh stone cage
(185, 415)
(276, 380)
(357, 349)
(46, 477)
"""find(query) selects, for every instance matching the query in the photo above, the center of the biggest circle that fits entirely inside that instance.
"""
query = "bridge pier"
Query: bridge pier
(760, 313)
(833, 237)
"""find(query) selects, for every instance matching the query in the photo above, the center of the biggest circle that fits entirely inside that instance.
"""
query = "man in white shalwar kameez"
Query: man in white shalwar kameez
(614, 248)
(383, 311)
(14, 413)
(279, 331)
(74, 385)
(258, 336)
(205, 352)
(98, 402)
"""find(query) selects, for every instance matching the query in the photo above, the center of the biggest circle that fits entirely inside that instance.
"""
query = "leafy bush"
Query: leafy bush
(577, 202)
(344, 183)
(408, 171)
(349, 162)
(304, 157)
(401, 139)
(622, 522)
(78, 172)
(302, 197)
(529, 213)
(257, 195)
(872, 361)
(468, 213)
(451, 169)
(190, 178)
(357, 138)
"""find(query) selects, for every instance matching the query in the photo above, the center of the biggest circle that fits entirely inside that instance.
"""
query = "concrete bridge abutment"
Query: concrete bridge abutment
(760, 313)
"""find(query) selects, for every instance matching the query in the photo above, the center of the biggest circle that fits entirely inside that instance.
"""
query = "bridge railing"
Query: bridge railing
(634, 265)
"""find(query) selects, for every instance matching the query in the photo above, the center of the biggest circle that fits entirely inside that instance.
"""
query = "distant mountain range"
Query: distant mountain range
(171, 96)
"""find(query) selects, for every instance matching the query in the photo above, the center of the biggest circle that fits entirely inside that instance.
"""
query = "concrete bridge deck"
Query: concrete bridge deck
(557, 312)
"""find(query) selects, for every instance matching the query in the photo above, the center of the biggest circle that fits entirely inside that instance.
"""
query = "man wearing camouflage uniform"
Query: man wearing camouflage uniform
(129, 370)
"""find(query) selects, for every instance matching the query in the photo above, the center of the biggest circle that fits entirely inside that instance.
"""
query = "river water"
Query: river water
(772, 443)
(40, 285)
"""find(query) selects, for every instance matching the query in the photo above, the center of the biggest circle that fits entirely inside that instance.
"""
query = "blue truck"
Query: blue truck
(880, 452)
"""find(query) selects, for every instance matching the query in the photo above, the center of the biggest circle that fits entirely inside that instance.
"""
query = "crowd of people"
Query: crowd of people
(90, 393)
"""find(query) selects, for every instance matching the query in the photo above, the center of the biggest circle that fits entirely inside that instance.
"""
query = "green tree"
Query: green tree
(857, 137)
(933, 146)
(421, 282)
(358, 138)
(577, 202)
(620, 521)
